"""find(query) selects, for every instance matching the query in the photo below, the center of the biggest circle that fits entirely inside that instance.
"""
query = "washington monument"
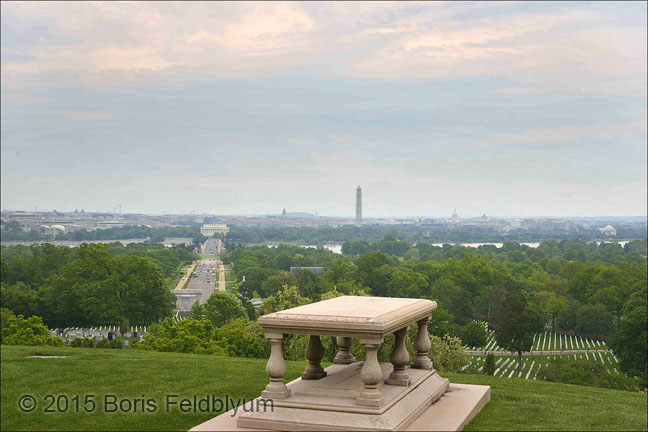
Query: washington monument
(358, 219)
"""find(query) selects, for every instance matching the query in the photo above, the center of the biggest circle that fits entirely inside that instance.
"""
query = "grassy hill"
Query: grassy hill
(92, 374)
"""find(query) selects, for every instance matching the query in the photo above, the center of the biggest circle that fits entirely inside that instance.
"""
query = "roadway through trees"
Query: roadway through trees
(203, 278)
(221, 269)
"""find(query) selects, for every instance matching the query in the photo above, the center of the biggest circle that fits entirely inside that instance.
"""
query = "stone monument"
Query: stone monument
(350, 395)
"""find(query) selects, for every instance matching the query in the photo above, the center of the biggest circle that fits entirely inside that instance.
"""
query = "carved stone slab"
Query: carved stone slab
(354, 316)
(329, 404)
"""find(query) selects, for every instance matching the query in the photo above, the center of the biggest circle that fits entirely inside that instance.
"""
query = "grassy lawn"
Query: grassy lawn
(537, 405)
(132, 374)
(174, 280)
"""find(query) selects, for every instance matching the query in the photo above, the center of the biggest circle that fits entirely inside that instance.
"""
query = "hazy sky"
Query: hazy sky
(509, 109)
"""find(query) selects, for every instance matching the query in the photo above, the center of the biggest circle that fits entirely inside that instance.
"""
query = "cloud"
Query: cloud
(551, 136)
(264, 29)
(573, 47)
(75, 115)
(493, 107)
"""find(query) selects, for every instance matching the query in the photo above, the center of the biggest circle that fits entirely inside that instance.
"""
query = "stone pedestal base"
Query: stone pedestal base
(330, 404)
(398, 381)
(275, 393)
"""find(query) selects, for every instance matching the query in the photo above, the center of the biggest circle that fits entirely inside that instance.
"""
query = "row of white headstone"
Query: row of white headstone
(545, 342)
(140, 329)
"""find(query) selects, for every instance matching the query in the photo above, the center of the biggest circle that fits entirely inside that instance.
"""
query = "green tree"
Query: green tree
(284, 299)
(187, 336)
(489, 364)
(5, 314)
(513, 325)
(222, 307)
(474, 334)
(447, 353)
(367, 268)
(12, 226)
(133, 292)
(20, 298)
(198, 311)
(250, 310)
(408, 284)
(461, 308)
(441, 323)
(594, 320)
(495, 301)
(16, 330)
(630, 336)
(276, 282)
(242, 338)
(552, 304)
(568, 317)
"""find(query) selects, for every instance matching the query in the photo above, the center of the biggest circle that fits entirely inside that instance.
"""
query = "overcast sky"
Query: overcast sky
(508, 109)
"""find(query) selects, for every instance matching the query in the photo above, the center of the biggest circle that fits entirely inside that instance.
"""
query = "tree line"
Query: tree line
(96, 284)
(411, 233)
(601, 296)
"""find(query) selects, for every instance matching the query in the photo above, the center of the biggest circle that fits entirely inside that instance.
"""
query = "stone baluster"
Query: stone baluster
(276, 368)
(400, 359)
(344, 356)
(422, 346)
(314, 354)
(371, 374)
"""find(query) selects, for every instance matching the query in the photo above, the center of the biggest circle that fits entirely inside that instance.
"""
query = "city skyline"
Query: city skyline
(518, 109)
(306, 213)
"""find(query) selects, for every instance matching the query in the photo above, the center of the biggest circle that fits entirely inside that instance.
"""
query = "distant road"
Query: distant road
(221, 276)
(204, 278)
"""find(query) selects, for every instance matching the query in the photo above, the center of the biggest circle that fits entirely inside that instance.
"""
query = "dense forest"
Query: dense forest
(95, 284)
(574, 286)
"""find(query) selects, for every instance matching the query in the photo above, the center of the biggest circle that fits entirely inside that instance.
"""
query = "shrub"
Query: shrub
(294, 347)
(587, 373)
(474, 334)
(17, 330)
(447, 353)
(222, 307)
(83, 342)
(115, 344)
(240, 338)
(489, 364)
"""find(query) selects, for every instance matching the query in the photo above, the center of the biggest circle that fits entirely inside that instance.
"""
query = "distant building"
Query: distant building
(358, 218)
(52, 230)
(111, 224)
(608, 230)
(185, 299)
(284, 213)
(209, 230)
(546, 224)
